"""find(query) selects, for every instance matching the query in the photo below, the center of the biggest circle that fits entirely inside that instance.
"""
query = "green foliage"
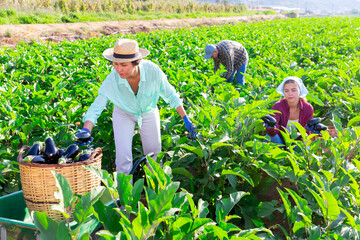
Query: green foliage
(28, 19)
(47, 88)
(168, 212)
(269, 12)
(55, 11)
(7, 12)
(80, 206)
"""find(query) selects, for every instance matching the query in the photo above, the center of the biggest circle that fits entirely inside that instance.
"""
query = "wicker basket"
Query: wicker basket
(39, 184)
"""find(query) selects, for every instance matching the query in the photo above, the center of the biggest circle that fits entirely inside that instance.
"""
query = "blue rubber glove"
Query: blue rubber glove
(311, 129)
(83, 131)
(267, 125)
(190, 127)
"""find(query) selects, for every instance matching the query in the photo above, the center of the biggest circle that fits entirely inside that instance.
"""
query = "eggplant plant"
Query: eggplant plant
(166, 212)
(42, 94)
(80, 207)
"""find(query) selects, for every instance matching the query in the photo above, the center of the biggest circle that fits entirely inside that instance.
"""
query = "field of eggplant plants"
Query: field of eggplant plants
(229, 183)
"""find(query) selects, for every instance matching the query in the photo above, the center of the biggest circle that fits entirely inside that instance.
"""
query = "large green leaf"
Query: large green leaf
(108, 217)
(240, 173)
(124, 187)
(49, 229)
(198, 151)
(203, 208)
(217, 231)
(183, 171)
(332, 206)
(193, 209)
(353, 121)
(302, 204)
(64, 193)
(315, 99)
(287, 205)
(216, 145)
(163, 202)
(83, 209)
(136, 192)
(223, 207)
(320, 201)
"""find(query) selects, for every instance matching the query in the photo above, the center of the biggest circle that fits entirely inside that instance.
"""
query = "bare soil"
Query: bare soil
(10, 35)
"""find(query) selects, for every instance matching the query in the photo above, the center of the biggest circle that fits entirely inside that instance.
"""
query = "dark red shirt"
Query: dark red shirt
(306, 113)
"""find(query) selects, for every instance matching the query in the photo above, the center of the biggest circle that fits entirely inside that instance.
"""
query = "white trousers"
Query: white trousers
(124, 126)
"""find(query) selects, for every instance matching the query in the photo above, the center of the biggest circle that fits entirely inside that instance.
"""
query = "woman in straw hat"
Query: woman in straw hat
(292, 108)
(134, 87)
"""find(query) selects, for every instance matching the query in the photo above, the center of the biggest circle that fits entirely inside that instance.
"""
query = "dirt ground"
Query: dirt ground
(10, 35)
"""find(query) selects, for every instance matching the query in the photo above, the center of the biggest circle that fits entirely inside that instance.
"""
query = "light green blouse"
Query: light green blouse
(153, 84)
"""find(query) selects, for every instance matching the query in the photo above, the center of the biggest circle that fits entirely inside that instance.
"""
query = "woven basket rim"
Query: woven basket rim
(94, 156)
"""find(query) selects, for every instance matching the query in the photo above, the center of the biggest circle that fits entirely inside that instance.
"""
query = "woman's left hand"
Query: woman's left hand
(190, 127)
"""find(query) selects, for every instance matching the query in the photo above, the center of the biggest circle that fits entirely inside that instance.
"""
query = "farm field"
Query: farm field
(229, 183)
(67, 11)
(11, 34)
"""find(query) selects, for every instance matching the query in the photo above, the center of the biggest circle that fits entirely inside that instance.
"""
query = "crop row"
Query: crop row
(46, 89)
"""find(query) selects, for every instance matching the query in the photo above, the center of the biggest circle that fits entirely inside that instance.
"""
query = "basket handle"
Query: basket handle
(21, 152)
(96, 153)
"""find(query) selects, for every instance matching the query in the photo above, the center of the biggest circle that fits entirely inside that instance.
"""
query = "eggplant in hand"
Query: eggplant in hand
(51, 151)
(35, 149)
(313, 122)
(320, 127)
(269, 121)
(82, 136)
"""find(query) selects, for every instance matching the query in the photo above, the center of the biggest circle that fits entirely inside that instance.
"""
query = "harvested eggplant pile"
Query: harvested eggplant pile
(49, 153)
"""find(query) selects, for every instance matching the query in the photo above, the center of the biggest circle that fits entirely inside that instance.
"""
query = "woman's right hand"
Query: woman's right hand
(83, 137)
(190, 127)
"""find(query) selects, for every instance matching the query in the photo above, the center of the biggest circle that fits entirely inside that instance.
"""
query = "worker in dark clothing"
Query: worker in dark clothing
(232, 55)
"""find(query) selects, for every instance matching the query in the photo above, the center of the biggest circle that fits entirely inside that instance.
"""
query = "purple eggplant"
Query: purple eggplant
(313, 122)
(84, 156)
(269, 120)
(35, 149)
(320, 127)
(71, 151)
(61, 152)
(38, 159)
(51, 151)
(34, 159)
(82, 136)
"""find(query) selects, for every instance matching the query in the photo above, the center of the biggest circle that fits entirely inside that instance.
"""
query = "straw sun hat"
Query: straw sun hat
(125, 50)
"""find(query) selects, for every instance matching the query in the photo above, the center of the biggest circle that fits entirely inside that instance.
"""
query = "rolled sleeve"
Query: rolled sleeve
(96, 109)
(168, 92)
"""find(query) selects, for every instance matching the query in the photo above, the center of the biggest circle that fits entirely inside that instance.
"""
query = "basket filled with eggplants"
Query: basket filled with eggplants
(49, 153)
(37, 162)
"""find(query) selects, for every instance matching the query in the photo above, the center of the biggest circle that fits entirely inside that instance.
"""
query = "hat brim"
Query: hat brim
(207, 56)
(109, 55)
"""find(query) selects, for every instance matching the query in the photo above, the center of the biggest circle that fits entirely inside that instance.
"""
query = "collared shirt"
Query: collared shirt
(232, 55)
(306, 114)
(153, 84)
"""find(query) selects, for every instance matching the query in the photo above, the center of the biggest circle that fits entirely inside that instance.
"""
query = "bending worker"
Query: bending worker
(232, 55)
(134, 87)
